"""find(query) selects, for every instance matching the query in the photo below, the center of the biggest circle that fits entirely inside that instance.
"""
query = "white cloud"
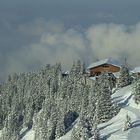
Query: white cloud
(115, 40)
(59, 44)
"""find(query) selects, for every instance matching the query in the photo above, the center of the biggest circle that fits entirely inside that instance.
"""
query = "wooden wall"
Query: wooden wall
(138, 74)
(104, 68)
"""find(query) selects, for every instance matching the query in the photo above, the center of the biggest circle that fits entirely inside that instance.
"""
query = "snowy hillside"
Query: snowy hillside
(46, 105)
(112, 130)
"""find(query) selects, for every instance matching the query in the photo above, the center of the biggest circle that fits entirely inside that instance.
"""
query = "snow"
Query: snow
(66, 137)
(116, 74)
(23, 130)
(29, 135)
(105, 61)
(135, 70)
(113, 129)
(92, 78)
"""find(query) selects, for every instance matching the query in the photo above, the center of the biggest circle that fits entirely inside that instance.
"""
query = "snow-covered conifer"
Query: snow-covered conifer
(81, 131)
(28, 113)
(136, 92)
(78, 67)
(83, 68)
(73, 69)
(104, 105)
(96, 134)
(60, 128)
(124, 78)
(11, 126)
(127, 123)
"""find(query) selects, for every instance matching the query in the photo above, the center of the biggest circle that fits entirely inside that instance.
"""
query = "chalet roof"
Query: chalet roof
(105, 61)
(135, 70)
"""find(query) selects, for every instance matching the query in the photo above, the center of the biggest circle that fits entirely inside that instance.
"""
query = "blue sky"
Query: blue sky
(25, 23)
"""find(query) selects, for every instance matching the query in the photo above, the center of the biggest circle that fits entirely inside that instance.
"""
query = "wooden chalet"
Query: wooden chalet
(107, 65)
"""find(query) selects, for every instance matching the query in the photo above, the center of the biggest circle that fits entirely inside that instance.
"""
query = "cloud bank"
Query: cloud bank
(57, 43)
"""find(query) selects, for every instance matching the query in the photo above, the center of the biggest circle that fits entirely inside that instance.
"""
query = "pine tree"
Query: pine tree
(85, 102)
(124, 78)
(28, 113)
(73, 69)
(83, 129)
(77, 130)
(83, 68)
(11, 128)
(127, 124)
(60, 128)
(44, 121)
(61, 111)
(51, 128)
(78, 67)
(104, 105)
(54, 102)
(85, 134)
(96, 134)
(136, 92)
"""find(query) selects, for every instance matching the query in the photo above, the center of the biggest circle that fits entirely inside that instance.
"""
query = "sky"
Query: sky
(36, 32)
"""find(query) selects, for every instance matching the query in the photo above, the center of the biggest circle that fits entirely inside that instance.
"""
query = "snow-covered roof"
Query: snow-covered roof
(135, 70)
(105, 61)
(65, 72)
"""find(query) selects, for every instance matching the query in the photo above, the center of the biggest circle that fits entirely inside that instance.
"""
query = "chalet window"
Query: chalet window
(98, 73)
(105, 66)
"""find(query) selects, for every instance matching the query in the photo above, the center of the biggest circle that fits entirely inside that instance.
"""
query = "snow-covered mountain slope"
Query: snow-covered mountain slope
(113, 129)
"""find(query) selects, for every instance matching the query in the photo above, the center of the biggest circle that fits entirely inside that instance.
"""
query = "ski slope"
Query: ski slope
(113, 129)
